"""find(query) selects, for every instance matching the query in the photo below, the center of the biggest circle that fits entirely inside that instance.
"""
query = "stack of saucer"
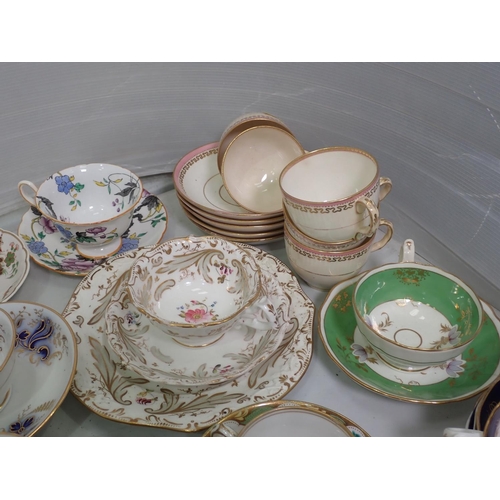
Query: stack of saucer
(206, 202)
(331, 202)
(231, 188)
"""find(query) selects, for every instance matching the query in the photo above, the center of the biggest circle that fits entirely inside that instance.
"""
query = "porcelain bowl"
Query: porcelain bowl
(416, 315)
(244, 122)
(90, 205)
(14, 264)
(7, 344)
(195, 289)
(252, 164)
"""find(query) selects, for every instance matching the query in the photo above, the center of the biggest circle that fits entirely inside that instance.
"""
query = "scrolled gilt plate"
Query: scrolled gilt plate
(109, 389)
(45, 362)
(455, 380)
(235, 423)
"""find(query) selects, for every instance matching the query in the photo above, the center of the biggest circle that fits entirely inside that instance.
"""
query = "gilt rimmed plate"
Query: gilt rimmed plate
(235, 228)
(148, 351)
(235, 423)
(48, 247)
(108, 389)
(45, 362)
(458, 379)
(14, 264)
(197, 179)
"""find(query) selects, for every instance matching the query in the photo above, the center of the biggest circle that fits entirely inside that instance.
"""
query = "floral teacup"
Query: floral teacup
(195, 289)
(91, 205)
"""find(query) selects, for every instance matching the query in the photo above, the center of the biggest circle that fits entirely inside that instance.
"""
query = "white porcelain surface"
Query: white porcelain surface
(407, 332)
(321, 269)
(332, 194)
(14, 264)
(146, 350)
(252, 164)
(244, 122)
(7, 344)
(51, 250)
(197, 179)
(104, 386)
(45, 362)
(196, 288)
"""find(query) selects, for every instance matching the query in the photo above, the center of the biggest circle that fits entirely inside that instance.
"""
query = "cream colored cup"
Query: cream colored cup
(321, 269)
(332, 194)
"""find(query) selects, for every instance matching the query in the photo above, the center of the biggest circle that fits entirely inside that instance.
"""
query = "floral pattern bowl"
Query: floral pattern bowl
(416, 315)
(196, 288)
(90, 205)
(14, 264)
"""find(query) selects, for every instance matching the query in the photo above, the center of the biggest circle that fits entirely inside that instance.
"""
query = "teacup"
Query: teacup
(7, 344)
(416, 315)
(333, 194)
(322, 269)
(90, 205)
(195, 289)
(244, 122)
(491, 428)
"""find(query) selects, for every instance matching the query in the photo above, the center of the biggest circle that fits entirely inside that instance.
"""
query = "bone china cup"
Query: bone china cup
(321, 269)
(332, 194)
(90, 205)
(7, 344)
(195, 289)
(416, 315)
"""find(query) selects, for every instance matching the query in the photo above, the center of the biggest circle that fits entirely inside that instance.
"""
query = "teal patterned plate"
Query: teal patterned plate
(458, 379)
(44, 366)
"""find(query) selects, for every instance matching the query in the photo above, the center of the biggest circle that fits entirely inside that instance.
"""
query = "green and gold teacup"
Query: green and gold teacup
(416, 315)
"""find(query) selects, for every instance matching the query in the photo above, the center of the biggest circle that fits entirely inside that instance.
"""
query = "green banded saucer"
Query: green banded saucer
(456, 380)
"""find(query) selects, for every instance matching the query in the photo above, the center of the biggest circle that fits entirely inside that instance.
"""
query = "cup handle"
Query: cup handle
(361, 206)
(387, 236)
(29, 198)
(225, 430)
(385, 188)
(407, 252)
(258, 316)
(456, 432)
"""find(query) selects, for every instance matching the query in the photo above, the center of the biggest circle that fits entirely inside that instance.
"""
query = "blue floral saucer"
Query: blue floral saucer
(44, 366)
(51, 249)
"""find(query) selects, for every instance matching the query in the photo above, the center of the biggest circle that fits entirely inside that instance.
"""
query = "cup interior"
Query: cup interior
(88, 194)
(329, 175)
(181, 283)
(416, 306)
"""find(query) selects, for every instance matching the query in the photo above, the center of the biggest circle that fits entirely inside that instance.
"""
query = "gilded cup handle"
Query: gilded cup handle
(385, 188)
(407, 251)
(27, 184)
(387, 236)
(361, 206)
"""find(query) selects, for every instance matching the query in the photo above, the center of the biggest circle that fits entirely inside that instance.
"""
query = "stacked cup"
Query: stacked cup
(331, 202)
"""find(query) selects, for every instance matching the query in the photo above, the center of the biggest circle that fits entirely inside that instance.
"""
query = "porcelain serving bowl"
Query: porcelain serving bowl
(323, 269)
(14, 264)
(242, 123)
(195, 289)
(90, 205)
(333, 194)
(252, 164)
(7, 344)
(416, 315)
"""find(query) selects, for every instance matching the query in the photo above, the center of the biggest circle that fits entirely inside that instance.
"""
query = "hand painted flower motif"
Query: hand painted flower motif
(37, 247)
(223, 271)
(20, 427)
(197, 312)
(47, 225)
(454, 335)
(454, 367)
(96, 230)
(76, 264)
(197, 316)
(10, 258)
(64, 184)
(360, 352)
(129, 244)
(67, 234)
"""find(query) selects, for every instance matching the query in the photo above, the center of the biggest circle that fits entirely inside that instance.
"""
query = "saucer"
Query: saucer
(236, 422)
(45, 362)
(460, 378)
(48, 247)
(14, 264)
(156, 356)
(109, 389)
